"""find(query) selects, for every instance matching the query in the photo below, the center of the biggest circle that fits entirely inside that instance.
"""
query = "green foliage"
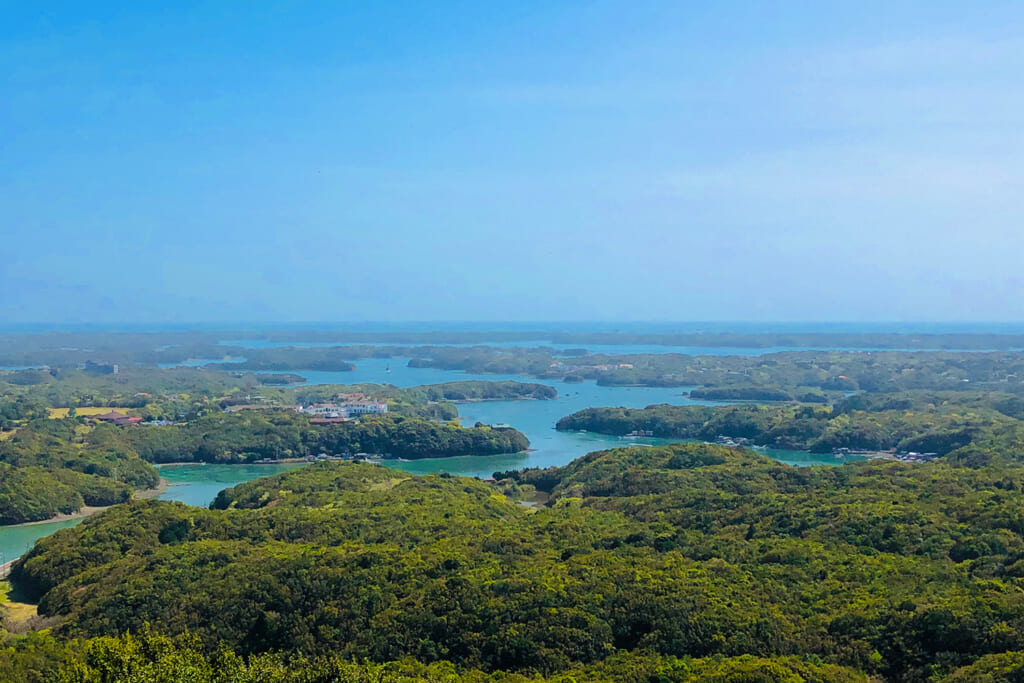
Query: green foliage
(936, 429)
(251, 435)
(58, 444)
(485, 391)
(55, 466)
(146, 657)
(747, 393)
(95, 490)
(726, 560)
(793, 373)
(31, 494)
(1007, 667)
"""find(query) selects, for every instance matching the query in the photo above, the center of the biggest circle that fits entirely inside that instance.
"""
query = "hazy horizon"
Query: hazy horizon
(652, 327)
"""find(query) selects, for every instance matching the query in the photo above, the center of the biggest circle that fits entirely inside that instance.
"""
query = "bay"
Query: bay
(198, 485)
(536, 419)
(17, 540)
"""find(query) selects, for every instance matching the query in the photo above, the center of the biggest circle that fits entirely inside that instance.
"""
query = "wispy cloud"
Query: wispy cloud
(858, 173)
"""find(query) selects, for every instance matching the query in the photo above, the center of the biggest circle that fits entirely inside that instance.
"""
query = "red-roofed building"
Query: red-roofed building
(114, 418)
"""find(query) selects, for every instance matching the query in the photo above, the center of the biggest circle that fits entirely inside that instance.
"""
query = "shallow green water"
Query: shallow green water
(15, 541)
(200, 484)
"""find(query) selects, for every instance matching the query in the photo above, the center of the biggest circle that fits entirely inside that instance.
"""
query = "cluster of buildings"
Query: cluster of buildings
(916, 457)
(114, 418)
(347, 407)
(891, 454)
(559, 366)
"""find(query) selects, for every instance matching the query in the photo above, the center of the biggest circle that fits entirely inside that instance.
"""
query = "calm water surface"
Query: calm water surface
(15, 541)
(199, 484)
(536, 419)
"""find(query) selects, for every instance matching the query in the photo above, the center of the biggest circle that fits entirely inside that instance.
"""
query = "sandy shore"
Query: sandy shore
(86, 511)
(158, 490)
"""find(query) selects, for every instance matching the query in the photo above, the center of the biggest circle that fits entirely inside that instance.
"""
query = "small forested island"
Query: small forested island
(257, 436)
(168, 347)
(280, 379)
(690, 562)
(756, 393)
(788, 374)
(964, 426)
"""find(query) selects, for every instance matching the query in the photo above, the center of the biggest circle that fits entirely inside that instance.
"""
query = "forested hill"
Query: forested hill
(975, 428)
(643, 556)
(53, 467)
(251, 435)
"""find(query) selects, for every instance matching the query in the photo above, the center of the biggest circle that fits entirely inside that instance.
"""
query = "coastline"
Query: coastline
(201, 462)
(83, 512)
(158, 490)
(460, 401)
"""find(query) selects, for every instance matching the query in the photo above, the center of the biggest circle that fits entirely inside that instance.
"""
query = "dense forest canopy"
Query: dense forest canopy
(51, 467)
(902, 423)
(641, 555)
(251, 435)
(687, 562)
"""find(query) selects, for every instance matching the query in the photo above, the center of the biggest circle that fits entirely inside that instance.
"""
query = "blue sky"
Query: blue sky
(511, 161)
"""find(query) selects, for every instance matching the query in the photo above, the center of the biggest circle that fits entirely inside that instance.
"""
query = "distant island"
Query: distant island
(963, 427)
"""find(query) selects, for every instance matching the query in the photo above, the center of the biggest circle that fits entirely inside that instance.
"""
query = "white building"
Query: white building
(325, 410)
(346, 409)
(364, 407)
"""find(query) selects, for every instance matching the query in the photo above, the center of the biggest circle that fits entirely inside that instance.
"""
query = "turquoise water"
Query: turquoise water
(190, 484)
(536, 419)
(198, 362)
(199, 484)
(396, 371)
(15, 541)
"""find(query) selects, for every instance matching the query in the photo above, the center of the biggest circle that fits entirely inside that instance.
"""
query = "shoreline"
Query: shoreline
(888, 456)
(82, 513)
(90, 510)
(158, 490)
(461, 401)
(287, 461)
